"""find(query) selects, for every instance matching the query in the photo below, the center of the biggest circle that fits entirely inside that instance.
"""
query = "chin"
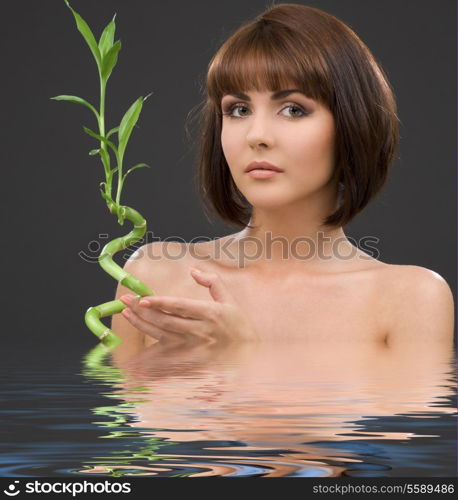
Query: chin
(268, 200)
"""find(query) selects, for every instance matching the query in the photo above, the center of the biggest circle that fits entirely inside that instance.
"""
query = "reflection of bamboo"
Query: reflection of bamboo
(96, 368)
(105, 53)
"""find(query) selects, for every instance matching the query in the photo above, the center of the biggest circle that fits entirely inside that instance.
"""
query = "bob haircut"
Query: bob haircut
(293, 44)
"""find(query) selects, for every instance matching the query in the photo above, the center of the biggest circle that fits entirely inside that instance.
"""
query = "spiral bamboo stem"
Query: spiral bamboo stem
(95, 313)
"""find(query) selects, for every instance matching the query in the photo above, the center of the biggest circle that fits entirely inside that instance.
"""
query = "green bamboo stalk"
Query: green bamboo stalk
(105, 53)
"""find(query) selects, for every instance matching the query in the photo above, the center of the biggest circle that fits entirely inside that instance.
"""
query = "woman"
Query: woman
(299, 129)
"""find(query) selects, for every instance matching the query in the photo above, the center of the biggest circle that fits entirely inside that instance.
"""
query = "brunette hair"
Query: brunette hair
(324, 59)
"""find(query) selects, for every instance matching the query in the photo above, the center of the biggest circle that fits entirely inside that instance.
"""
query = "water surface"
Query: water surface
(269, 410)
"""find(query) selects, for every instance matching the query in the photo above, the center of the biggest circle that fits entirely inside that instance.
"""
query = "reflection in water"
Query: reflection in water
(276, 409)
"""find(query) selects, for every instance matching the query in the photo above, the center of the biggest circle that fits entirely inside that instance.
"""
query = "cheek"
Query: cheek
(232, 145)
(314, 151)
(229, 144)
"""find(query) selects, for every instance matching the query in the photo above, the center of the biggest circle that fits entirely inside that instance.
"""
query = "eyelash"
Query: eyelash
(230, 109)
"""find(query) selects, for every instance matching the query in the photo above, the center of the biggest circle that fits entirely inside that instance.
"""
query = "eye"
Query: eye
(297, 108)
(229, 110)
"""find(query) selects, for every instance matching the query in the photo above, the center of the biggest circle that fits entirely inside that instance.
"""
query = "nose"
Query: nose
(259, 132)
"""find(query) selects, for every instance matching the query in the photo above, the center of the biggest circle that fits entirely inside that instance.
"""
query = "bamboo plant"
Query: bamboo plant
(105, 53)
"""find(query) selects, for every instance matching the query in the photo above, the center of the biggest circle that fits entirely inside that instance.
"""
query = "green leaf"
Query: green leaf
(93, 152)
(84, 29)
(139, 165)
(77, 100)
(100, 138)
(105, 160)
(109, 60)
(106, 40)
(127, 124)
(112, 131)
(102, 192)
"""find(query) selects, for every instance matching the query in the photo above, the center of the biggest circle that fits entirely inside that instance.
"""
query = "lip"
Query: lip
(264, 173)
(262, 165)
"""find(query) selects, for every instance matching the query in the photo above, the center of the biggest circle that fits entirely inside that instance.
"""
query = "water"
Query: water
(278, 409)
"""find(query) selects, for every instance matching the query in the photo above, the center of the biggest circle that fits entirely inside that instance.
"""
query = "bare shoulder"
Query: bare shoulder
(418, 303)
(164, 266)
(408, 278)
(157, 265)
(157, 262)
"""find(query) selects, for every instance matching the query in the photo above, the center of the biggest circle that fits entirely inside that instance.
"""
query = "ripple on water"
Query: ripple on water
(65, 424)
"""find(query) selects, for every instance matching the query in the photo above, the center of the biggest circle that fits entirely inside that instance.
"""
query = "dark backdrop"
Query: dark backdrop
(52, 209)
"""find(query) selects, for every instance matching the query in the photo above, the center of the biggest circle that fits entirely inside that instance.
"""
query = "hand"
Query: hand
(178, 319)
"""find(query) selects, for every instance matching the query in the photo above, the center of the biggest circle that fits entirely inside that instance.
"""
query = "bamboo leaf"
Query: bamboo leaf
(100, 138)
(139, 165)
(106, 40)
(127, 124)
(105, 159)
(84, 29)
(77, 100)
(112, 131)
(109, 60)
(93, 152)
(102, 192)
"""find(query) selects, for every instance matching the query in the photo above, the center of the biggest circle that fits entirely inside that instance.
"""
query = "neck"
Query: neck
(294, 236)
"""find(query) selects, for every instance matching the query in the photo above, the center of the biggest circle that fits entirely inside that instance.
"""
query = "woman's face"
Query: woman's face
(292, 132)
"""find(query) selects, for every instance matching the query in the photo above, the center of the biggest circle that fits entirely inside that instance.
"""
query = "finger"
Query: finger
(144, 326)
(180, 306)
(130, 300)
(214, 283)
(171, 323)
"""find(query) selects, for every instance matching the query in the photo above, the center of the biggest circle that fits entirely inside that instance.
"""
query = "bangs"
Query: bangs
(258, 59)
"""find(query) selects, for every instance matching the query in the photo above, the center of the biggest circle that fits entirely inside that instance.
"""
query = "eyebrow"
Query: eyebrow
(273, 97)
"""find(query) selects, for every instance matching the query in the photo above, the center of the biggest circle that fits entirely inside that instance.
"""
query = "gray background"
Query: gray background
(52, 209)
